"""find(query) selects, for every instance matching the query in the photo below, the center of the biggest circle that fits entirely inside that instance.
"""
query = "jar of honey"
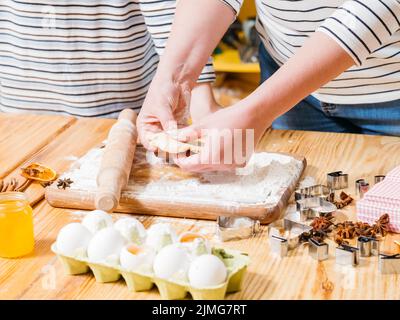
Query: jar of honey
(16, 225)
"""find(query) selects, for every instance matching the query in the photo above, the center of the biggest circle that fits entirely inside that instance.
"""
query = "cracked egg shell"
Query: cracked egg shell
(97, 220)
(172, 263)
(207, 271)
(195, 242)
(105, 245)
(160, 235)
(73, 239)
(131, 229)
(133, 257)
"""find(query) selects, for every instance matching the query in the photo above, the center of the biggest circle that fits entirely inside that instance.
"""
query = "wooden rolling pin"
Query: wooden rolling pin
(117, 161)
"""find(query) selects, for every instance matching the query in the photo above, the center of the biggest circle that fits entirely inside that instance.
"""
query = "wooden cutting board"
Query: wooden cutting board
(162, 205)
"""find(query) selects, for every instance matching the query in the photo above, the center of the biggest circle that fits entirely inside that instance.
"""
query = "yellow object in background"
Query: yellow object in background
(16, 225)
(229, 61)
(248, 10)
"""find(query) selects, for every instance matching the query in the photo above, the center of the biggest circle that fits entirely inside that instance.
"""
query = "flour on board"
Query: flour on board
(263, 180)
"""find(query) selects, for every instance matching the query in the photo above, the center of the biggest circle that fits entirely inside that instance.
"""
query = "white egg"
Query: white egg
(97, 220)
(73, 239)
(196, 243)
(135, 258)
(131, 229)
(160, 235)
(207, 271)
(106, 246)
(172, 263)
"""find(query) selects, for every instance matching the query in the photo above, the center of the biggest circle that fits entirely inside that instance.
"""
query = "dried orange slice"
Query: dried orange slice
(38, 172)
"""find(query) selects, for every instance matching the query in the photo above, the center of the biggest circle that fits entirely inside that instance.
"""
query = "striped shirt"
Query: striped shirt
(369, 30)
(81, 57)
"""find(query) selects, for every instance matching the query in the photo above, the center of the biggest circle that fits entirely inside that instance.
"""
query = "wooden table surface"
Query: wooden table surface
(56, 141)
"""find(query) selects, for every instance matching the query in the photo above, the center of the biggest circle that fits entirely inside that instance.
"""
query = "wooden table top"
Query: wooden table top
(57, 141)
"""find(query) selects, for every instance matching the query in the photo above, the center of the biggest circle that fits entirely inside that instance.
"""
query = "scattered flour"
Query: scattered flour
(308, 181)
(262, 181)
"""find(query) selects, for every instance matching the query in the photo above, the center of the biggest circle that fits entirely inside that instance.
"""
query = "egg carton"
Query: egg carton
(235, 261)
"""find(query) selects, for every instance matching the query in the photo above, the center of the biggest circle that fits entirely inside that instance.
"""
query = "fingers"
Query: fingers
(145, 136)
(217, 154)
(148, 125)
(205, 161)
(146, 128)
(189, 133)
(192, 163)
(167, 119)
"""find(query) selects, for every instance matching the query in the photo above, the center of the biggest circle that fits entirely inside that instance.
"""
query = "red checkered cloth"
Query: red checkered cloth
(395, 173)
(386, 191)
(384, 197)
(369, 211)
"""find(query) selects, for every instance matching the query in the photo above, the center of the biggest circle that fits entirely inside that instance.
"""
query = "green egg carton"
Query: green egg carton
(235, 261)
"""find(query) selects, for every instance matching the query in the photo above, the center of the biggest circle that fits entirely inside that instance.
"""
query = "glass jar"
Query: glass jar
(16, 225)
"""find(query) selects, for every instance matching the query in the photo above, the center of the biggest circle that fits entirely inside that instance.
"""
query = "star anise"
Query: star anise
(46, 184)
(345, 200)
(64, 183)
(350, 229)
(381, 225)
(362, 229)
(323, 223)
(339, 240)
(318, 236)
(346, 230)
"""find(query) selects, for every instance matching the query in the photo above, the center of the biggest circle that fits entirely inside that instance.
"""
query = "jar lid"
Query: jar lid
(13, 195)
(10, 201)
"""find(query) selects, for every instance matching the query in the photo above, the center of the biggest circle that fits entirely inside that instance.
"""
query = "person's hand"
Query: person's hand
(229, 137)
(166, 103)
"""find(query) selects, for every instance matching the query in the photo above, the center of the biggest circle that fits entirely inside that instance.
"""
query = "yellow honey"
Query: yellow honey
(16, 225)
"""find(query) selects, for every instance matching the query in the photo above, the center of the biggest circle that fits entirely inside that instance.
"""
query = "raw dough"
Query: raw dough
(165, 141)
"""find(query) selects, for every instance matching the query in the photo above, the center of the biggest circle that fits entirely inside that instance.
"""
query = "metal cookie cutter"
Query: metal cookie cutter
(318, 250)
(389, 264)
(312, 207)
(364, 187)
(284, 235)
(229, 228)
(279, 246)
(368, 246)
(359, 182)
(347, 255)
(379, 178)
(337, 180)
(319, 191)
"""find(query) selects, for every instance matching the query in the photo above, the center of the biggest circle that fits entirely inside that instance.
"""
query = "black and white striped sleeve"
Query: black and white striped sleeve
(158, 16)
(362, 26)
(234, 4)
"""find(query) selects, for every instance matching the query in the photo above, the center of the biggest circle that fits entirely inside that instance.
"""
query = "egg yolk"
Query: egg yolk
(134, 249)
(190, 237)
